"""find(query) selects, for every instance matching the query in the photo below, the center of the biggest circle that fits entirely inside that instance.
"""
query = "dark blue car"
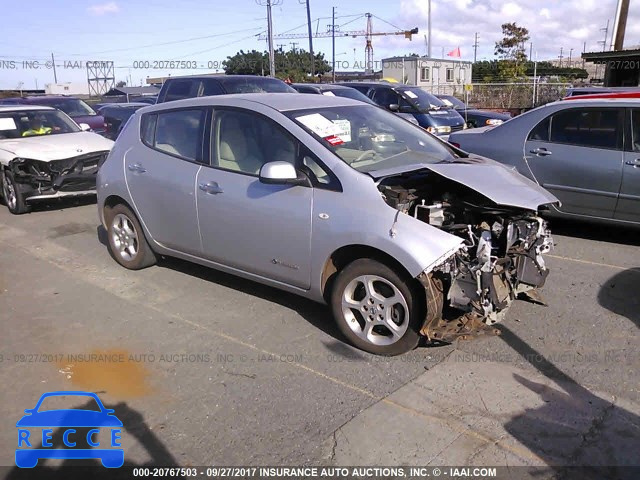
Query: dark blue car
(29, 452)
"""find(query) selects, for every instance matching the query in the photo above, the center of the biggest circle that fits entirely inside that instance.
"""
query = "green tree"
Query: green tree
(121, 83)
(511, 51)
(295, 65)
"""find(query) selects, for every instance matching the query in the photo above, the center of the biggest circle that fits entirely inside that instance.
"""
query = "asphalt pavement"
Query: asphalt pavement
(204, 368)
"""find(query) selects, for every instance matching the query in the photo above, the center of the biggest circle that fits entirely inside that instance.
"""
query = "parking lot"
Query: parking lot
(208, 369)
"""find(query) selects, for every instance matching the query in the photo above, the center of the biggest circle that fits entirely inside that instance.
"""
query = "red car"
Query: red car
(72, 106)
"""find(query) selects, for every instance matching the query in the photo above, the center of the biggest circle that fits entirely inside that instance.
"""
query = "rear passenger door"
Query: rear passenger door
(576, 154)
(245, 224)
(628, 207)
(161, 175)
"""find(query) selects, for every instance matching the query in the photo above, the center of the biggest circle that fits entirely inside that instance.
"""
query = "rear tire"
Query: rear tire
(13, 197)
(127, 243)
(376, 308)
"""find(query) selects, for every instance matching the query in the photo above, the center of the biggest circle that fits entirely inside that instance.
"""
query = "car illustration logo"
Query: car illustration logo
(33, 446)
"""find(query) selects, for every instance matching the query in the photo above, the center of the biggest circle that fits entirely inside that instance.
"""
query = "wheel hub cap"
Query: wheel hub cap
(375, 310)
(124, 237)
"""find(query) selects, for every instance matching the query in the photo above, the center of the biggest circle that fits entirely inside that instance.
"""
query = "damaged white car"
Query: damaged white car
(341, 202)
(45, 155)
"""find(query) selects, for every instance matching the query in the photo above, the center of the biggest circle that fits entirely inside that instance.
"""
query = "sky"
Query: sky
(203, 33)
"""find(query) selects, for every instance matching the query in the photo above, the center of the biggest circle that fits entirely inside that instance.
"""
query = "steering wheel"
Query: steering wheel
(364, 155)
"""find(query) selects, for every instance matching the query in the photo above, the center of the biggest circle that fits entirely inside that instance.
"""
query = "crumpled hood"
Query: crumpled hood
(498, 183)
(56, 147)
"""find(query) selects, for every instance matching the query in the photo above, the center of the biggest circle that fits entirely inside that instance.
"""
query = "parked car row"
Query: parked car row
(334, 196)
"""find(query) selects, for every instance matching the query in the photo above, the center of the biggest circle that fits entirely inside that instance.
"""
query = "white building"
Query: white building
(444, 76)
(68, 88)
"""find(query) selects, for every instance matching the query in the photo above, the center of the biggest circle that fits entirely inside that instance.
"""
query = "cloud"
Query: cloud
(103, 8)
(551, 24)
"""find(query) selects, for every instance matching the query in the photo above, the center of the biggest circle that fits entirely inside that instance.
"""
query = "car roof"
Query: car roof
(218, 76)
(321, 86)
(278, 101)
(599, 101)
(22, 108)
(122, 105)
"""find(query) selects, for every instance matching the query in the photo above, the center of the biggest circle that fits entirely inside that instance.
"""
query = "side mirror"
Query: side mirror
(282, 173)
(84, 127)
(394, 107)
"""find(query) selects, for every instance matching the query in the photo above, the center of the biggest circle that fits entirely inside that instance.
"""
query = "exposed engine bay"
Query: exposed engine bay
(36, 177)
(501, 257)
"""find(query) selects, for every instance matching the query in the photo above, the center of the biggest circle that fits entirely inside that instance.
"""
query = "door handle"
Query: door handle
(634, 163)
(212, 188)
(541, 152)
(136, 167)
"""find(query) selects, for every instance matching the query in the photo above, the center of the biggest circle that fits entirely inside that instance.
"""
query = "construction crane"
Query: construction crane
(368, 34)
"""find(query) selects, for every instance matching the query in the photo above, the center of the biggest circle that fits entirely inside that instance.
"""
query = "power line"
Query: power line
(186, 40)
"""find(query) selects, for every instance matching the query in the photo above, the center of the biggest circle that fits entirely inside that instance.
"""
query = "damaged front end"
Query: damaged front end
(38, 178)
(501, 257)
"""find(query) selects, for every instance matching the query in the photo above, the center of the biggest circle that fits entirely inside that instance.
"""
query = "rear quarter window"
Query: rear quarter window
(148, 129)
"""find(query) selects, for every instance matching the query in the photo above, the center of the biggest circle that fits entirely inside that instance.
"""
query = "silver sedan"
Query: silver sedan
(332, 199)
(586, 152)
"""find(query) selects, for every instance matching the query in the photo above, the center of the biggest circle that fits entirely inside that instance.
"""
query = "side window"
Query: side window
(541, 131)
(148, 129)
(635, 130)
(244, 141)
(588, 127)
(178, 89)
(385, 97)
(180, 133)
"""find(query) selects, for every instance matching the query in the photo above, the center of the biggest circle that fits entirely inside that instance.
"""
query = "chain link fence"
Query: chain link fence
(504, 96)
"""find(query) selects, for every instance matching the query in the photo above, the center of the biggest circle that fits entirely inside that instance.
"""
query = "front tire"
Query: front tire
(127, 243)
(376, 308)
(13, 197)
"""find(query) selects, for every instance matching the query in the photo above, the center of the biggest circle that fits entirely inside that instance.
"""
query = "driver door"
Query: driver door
(245, 224)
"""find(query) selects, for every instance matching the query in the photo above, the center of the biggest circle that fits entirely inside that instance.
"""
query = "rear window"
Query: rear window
(233, 84)
(178, 90)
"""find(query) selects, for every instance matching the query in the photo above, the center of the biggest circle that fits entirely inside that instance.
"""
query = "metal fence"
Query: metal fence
(505, 96)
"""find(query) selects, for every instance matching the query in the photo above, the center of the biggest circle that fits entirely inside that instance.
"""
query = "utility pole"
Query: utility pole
(620, 25)
(272, 60)
(311, 56)
(530, 50)
(368, 49)
(570, 55)
(53, 63)
(293, 46)
(606, 34)
(333, 43)
(560, 56)
(584, 49)
(475, 48)
(429, 30)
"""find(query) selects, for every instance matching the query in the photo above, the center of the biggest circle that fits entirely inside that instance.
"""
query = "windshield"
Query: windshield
(369, 138)
(422, 100)
(255, 85)
(28, 123)
(349, 93)
(451, 101)
(74, 107)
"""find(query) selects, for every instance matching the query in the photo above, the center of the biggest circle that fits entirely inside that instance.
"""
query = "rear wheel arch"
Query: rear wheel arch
(347, 254)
